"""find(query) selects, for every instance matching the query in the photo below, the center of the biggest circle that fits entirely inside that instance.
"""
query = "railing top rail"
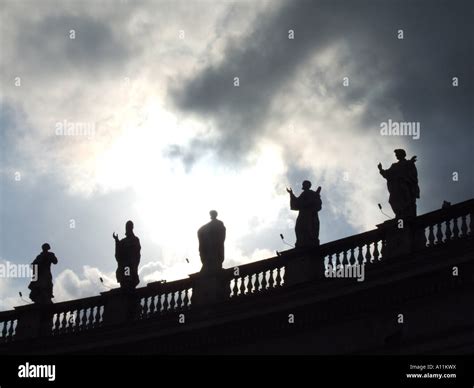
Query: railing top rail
(260, 265)
(351, 241)
(175, 285)
(7, 315)
(456, 210)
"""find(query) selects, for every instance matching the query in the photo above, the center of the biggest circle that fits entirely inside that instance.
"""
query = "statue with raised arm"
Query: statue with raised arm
(308, 204)
(127, 253)
(42, 287)
(211, 244)
(402, 184)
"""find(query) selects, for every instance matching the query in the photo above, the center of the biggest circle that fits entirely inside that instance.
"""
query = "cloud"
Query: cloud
(70, 285)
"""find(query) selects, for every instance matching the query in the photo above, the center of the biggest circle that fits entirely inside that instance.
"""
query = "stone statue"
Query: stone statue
(211, 244)
(402, 184)
(307, 224)
(42, 287)
(127, 253)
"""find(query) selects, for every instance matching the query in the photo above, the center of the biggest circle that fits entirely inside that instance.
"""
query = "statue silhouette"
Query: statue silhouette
(402, 184)
(307, 223)
(127, 253)
(211, 244)
(42, 287)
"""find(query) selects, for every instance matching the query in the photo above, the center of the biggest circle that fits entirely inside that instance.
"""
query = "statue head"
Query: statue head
(45, 247)
(400, 154)
(129, 228)
(306, 185)
(213, 214)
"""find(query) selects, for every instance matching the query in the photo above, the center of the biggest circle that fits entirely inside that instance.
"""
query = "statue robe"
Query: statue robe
(402, 184)
(42, 288)
(211, 245)
(127, 253)
(307, 223)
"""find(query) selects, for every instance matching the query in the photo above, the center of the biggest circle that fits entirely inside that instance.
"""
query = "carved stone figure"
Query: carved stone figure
(402, 184)
(127, 253)
(211, 244)
(308, 204)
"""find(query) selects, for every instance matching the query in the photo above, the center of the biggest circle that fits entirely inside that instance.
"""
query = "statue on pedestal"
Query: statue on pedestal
(42, 287)
(211, 244)
(402, 184)
(308, 204)
(127, 253)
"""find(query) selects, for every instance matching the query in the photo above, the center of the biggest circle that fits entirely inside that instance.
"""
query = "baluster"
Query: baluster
(240, 286)
(278, 277)
(165, 303)
(249, 284)
(4, 330)
(431, 236)
(235, 288)
(11, 329)
(85, 318)
(151, 307)
(448, 230)
(336, 257)
(376, 251)
(179, 301)
(455, 229)
(145, 307)
(186, 298)
(97, 316)
(264, 280)
(83, 324)
(439, 233)
(90, 321)
(360, 255)
(351, 258)
(64, 321)
(463, 226)
(73, 320)
(271, 280)
(160, 304)
(367, 254)
(344, 258)
(57, 323)
(173, 301)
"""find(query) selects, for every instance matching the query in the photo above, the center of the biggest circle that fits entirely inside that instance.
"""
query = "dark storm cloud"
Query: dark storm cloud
(417, 70)
(46, 44)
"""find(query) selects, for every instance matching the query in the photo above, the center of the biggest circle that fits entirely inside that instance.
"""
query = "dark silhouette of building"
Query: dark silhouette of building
(415, 298)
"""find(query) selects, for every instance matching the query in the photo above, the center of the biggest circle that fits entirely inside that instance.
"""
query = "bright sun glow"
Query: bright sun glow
(173, 203)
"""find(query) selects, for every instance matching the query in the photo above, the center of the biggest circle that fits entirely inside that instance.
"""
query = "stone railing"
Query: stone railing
(258, 277)
(8, 324)
(159, 298)
(76, 315)
(446, 225)
(289, 268)
(359, 249)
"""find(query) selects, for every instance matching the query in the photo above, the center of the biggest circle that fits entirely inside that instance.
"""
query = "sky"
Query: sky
(159, 111)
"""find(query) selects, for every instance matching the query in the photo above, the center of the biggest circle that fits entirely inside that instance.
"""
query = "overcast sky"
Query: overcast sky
(199, 105)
